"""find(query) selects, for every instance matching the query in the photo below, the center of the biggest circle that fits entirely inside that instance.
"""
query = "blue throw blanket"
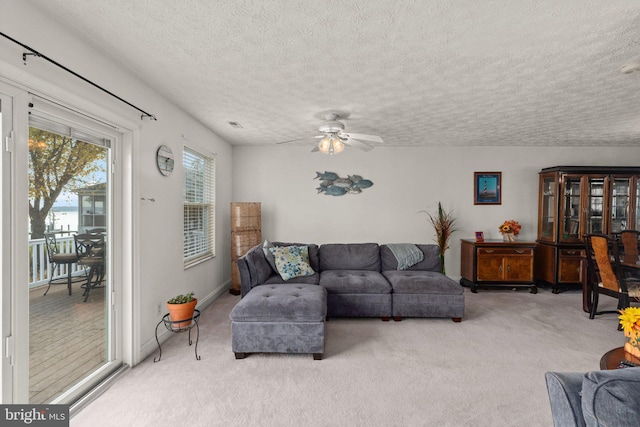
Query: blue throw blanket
(406, 254)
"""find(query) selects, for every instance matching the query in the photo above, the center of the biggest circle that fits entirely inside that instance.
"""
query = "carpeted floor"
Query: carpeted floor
(487, 370)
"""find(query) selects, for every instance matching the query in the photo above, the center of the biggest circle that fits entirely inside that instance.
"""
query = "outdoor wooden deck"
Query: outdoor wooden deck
(67, 339)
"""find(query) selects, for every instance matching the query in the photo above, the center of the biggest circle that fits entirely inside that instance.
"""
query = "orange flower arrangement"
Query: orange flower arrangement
(630, 322)
(510, 226)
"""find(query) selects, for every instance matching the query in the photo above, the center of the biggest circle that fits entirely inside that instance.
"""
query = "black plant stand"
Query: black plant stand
(172, 326)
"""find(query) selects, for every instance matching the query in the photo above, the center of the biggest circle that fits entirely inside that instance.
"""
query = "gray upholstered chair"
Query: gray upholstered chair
(598, 398)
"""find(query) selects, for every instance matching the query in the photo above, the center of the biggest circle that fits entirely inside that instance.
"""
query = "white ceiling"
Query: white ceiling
(415, 72)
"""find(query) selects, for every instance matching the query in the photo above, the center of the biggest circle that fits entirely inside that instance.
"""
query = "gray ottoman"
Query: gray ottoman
(282, 318)
(425, 294)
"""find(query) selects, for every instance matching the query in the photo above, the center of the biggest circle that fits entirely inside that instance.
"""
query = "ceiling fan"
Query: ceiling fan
(334, 137)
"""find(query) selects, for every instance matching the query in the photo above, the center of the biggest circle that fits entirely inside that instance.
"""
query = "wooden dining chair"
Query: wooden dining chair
(605, 273)
(629, 244)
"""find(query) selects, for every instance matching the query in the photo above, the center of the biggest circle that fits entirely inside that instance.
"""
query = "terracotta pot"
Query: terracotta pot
(181, 312)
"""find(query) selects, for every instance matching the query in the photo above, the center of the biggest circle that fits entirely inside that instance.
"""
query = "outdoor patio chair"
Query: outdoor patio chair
(58, 259)
(90, 250)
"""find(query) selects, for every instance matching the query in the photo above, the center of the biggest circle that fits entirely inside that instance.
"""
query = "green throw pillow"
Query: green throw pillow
(292, 261)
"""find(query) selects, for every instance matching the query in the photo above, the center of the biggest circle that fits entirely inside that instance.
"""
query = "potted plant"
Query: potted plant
(443, 223)
(180, 308)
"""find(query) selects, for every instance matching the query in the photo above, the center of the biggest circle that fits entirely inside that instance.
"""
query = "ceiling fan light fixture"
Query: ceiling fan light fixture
(338, 146)
(331, 145)
(324, 145)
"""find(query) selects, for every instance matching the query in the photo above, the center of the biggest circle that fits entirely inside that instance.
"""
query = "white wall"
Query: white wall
(406, 181)
(157, 267)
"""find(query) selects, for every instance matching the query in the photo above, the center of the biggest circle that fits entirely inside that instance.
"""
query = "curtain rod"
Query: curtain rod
(33, 52)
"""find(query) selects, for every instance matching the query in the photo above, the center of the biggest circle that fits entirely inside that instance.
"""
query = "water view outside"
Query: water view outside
(63, 218)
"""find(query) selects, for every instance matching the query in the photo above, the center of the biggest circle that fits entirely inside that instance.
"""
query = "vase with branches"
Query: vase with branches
(444, 224)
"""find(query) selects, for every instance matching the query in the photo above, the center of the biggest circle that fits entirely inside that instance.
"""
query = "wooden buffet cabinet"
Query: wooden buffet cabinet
(496, 263)
(574, 201)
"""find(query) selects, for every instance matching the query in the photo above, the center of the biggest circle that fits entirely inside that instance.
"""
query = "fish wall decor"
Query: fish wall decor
(332, 185)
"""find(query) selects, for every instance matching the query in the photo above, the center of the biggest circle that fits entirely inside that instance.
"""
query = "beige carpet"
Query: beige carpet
(486, 371)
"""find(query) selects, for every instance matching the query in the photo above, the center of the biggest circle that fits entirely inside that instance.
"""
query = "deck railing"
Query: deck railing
(39, 266)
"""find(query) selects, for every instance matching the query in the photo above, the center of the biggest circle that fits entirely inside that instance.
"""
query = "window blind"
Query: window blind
(54, 118)
(199, 207)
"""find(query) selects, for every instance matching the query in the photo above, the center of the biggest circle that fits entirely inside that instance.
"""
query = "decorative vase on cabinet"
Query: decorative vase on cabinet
(246, 232)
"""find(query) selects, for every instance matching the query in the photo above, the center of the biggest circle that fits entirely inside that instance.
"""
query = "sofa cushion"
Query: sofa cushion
(312, 249)
(275, 279)
(422, 282)
(431, 261)
(354, 282)
(292, 261)
(259, 268)
(270, 303)
(611, 398)
(350, 256)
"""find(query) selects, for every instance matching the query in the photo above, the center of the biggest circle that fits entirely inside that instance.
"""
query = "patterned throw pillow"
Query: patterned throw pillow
(292, 261)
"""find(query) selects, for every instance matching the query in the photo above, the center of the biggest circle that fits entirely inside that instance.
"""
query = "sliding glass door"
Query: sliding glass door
(61, 251)
(70, 248)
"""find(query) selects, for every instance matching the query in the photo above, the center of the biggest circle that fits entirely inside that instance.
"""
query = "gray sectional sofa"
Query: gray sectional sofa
(335, 280)
(363, 280)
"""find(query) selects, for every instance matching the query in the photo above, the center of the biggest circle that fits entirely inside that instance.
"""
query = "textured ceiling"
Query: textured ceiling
(421, 72)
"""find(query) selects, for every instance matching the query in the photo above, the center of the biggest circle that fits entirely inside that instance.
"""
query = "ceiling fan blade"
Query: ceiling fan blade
(315, 149)
(373, 138)
(357, 144)
(300, 139)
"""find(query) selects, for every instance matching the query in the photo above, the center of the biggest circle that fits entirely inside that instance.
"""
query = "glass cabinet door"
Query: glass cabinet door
(571, 210)
(595, 223)
(620, 204)
(547, 214)
(636, 205)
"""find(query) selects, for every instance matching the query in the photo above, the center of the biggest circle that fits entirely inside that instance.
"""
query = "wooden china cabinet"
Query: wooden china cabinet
(574, 201)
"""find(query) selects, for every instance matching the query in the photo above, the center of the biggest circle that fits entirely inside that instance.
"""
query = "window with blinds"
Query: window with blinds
(199, 207)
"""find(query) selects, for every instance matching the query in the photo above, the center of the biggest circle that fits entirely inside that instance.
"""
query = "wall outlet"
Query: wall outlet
(158, 310)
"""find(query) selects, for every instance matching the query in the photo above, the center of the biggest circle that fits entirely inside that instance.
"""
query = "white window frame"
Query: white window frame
(199, 207)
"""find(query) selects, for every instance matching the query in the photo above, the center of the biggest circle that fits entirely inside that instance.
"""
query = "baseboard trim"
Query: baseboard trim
(97, 391)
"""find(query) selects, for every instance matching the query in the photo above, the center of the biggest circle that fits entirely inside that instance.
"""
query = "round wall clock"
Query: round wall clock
(164, 157)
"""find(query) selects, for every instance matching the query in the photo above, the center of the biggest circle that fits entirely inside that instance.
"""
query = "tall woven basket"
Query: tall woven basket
(246, 232)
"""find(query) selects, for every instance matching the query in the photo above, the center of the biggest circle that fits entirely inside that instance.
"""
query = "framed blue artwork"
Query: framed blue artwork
(487, 188)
